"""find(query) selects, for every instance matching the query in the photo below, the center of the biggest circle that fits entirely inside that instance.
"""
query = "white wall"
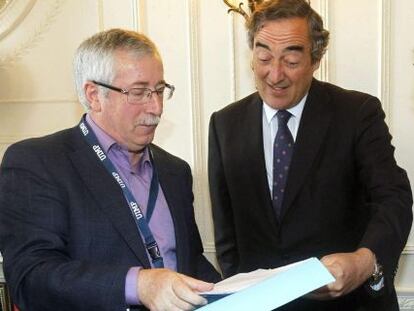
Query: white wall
(206, 57)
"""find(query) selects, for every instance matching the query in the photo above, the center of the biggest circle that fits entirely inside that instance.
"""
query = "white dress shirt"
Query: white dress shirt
(270, 126)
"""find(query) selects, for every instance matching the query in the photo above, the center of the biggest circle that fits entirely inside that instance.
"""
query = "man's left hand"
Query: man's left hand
(350, 270)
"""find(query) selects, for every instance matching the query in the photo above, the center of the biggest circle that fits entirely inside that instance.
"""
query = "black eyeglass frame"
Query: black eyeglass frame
(126, 91)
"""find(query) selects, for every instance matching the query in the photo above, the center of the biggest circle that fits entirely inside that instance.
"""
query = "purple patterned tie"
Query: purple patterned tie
(282, 153)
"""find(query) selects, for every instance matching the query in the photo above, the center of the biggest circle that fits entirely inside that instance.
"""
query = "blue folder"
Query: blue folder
(274, 291)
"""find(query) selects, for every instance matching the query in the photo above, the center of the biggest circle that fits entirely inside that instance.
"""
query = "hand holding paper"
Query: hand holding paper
(350, 271)
(269, 289)
(163, 289)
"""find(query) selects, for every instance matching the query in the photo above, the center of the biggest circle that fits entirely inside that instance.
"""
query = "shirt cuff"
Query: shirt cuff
(131, 281)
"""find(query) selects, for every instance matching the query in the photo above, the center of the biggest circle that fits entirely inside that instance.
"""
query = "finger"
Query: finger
(197, 285)
(338, 274)
(169, 301)
(327, 260)
(184, 293)
(336, 286)
(182, 305)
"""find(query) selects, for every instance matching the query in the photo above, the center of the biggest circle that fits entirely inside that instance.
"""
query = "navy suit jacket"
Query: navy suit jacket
(344, 190)
(66, 232)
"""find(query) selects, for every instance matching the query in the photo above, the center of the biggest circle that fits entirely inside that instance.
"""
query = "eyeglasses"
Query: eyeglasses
(141, 95)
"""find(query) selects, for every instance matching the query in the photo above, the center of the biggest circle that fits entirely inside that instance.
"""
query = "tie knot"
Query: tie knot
(283, 116)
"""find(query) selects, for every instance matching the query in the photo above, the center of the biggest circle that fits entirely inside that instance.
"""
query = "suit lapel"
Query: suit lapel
(108, 196)
(315, 121)
(252, 138)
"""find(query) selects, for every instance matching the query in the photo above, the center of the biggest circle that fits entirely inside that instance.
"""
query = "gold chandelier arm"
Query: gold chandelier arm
(253, 4)
(236, 9)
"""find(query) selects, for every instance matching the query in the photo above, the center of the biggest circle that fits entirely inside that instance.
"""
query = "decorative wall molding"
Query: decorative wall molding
(201, 195)
(2, 279)
(31, 40)
(406, 299)
(408, 250)
(135, 13)
(100, 15)
(4, 4)
(233, 53)
(323, 9)
(138, 15)
(12, 15)
(25, 101)
(4, 144)
(385, 59)
(3, 148)
(6, 140)
(209, 248)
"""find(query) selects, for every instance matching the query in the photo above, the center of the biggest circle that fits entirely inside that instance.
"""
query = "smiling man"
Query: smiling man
(96, 217)
(304, 168)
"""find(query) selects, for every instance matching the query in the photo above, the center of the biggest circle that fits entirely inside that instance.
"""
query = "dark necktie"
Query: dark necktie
(282, 154)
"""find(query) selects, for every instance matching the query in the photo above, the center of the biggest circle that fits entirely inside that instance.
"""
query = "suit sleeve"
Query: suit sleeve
(34, 231)
(387, 189)
(224, 229)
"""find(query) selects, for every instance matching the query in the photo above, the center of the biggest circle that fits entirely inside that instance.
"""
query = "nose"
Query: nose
(276, 72)
(155, 104)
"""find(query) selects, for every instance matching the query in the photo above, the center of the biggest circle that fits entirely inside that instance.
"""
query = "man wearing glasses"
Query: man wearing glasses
(96, 217)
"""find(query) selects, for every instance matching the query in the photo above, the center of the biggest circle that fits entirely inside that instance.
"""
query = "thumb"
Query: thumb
(197, 285)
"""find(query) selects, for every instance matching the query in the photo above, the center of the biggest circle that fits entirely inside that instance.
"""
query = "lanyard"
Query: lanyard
(139, 218)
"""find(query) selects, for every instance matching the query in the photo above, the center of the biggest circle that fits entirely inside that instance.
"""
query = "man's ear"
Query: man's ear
(92, 96)
(253, 61)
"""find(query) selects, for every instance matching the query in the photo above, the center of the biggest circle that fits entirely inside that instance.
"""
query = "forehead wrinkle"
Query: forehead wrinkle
(265, 36)
(285, 33)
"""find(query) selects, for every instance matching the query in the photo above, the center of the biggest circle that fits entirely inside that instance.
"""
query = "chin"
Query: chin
(148, 140)
(278, 104)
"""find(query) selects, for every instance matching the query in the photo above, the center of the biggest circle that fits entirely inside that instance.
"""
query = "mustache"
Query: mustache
(148, 120)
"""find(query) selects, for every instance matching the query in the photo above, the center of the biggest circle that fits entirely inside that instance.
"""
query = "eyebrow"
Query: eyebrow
(298, 48)
(146, 84)
(262, 45)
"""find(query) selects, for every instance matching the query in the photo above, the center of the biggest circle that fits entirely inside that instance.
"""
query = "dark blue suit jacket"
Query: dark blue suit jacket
(344, 191)
(66, 233)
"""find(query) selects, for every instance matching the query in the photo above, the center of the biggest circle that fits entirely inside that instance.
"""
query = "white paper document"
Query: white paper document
(264, 290)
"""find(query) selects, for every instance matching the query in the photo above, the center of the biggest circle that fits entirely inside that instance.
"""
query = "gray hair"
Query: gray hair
(282, 9)
(94, 58)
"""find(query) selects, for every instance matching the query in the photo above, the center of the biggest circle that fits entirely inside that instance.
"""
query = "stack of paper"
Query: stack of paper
(264, 290)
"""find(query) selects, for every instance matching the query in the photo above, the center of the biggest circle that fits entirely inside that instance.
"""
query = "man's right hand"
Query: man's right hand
(163, 289)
